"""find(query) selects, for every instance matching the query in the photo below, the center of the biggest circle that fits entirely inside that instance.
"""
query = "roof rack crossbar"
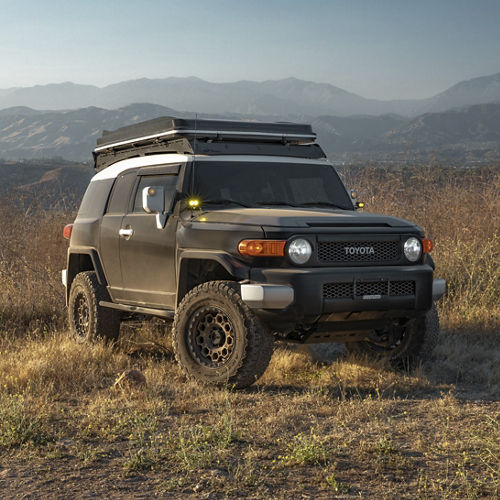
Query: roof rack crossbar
(218, 135)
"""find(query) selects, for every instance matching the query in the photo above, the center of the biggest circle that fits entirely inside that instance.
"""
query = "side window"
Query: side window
(94, 199)
(120, 195)
(168, 182)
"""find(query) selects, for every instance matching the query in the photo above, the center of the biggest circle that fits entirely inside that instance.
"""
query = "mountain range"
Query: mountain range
(289, 97)
(468, 133)
(64, 120)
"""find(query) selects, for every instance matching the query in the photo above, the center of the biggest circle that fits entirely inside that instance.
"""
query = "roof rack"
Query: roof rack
(188, 136)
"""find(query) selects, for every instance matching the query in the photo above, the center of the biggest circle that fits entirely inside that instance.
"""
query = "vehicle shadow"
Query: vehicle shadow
(462, 392)
(465, 363)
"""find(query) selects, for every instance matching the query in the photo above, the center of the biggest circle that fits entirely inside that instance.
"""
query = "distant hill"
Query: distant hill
(354, 133)
(48, 183)
(289, 97)
(66, 134)
(471, 124)
(485, 89)
(72, 135)
(19, 111)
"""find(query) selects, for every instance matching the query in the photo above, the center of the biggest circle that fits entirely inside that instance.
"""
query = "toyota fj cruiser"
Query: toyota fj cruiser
(243, 233)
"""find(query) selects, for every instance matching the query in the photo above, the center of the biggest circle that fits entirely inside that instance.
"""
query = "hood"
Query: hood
(300, 218)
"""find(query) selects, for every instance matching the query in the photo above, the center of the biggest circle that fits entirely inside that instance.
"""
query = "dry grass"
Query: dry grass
(350, 429)
(460, 211)
(321, 431)
(32, 254)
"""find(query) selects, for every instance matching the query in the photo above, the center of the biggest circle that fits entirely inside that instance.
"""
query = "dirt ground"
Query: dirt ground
(351, 429)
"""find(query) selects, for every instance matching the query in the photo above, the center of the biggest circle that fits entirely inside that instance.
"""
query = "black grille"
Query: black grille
(401, 288)
(360, 288)
(359, 251)
(370, 288)
(338, 290)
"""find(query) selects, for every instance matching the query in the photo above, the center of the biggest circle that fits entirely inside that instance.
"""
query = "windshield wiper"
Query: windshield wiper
(226, 202)
(298, 205)
(319, 204)
(287, 203)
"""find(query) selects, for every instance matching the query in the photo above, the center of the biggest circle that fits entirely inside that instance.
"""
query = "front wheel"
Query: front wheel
(217, 339)
(88, 320)
(406, 346)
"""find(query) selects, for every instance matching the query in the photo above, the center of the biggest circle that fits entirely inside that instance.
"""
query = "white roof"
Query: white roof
(166, 159)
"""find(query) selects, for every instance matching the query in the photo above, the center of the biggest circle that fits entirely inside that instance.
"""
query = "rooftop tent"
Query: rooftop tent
(178, 135)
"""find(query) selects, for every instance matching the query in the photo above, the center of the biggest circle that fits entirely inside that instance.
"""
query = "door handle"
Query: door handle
(126, 233)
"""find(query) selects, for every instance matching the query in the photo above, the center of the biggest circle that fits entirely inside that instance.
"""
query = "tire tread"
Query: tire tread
(105, 321)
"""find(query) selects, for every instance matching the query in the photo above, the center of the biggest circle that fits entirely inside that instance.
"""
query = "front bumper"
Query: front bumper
(298, 294)
(438, 288)
(265, 296)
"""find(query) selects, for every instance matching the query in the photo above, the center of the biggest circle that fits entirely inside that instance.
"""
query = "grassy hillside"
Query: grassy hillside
(53, 184)
(305, 430)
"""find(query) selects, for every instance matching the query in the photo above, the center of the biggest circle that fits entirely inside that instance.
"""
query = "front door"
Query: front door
(147, 254)
(117, 207)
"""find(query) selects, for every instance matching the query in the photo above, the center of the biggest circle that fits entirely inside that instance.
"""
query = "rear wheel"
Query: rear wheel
(88, 320)
(405, 346)
(218, 339)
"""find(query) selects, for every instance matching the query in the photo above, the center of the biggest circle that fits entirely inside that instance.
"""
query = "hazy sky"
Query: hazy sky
(377, 48)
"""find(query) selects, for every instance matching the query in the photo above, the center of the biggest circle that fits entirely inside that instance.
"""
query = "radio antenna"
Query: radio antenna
(194, 151)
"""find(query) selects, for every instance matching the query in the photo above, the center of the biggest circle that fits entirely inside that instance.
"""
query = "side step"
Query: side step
(160, 313)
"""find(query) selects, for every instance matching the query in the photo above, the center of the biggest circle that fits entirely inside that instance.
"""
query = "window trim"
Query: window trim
(159, 170)
(131, 208)
(113, 187)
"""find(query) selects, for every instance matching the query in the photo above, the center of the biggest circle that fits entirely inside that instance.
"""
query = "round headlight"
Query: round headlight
(299, 251)
(412, 249)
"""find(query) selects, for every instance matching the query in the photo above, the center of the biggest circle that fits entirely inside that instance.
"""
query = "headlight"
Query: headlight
(299, 251)
(412, 249)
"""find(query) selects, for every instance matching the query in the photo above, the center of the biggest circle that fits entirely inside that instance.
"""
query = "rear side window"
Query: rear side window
(120, 195)
(168, 182)
(95, 199)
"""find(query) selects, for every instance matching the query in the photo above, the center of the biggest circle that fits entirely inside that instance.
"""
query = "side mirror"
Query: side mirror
(153, 199)
(153, 202)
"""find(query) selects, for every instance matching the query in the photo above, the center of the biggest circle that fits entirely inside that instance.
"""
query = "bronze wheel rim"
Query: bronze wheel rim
(385, 343)
(81, 315)
(211, 337)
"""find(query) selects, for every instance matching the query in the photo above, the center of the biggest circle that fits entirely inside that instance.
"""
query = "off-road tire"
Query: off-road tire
(217, 339)
(419, 341)
(88, 320)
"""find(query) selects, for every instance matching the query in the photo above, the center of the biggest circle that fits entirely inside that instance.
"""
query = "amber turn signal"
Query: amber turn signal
(262, 248)
(67, 231)
(427, 245)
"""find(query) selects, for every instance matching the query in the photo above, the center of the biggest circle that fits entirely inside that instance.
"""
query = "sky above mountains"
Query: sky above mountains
(383, 49)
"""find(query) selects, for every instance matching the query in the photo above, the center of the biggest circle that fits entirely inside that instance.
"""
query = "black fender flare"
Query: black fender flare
(74, 265)
(232, 265)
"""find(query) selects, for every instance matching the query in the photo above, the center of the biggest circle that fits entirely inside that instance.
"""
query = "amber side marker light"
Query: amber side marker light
(262, 248)
(68, 228)
(427, 245)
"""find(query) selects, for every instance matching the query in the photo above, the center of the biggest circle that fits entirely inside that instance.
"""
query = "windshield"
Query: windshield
(260, 184)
